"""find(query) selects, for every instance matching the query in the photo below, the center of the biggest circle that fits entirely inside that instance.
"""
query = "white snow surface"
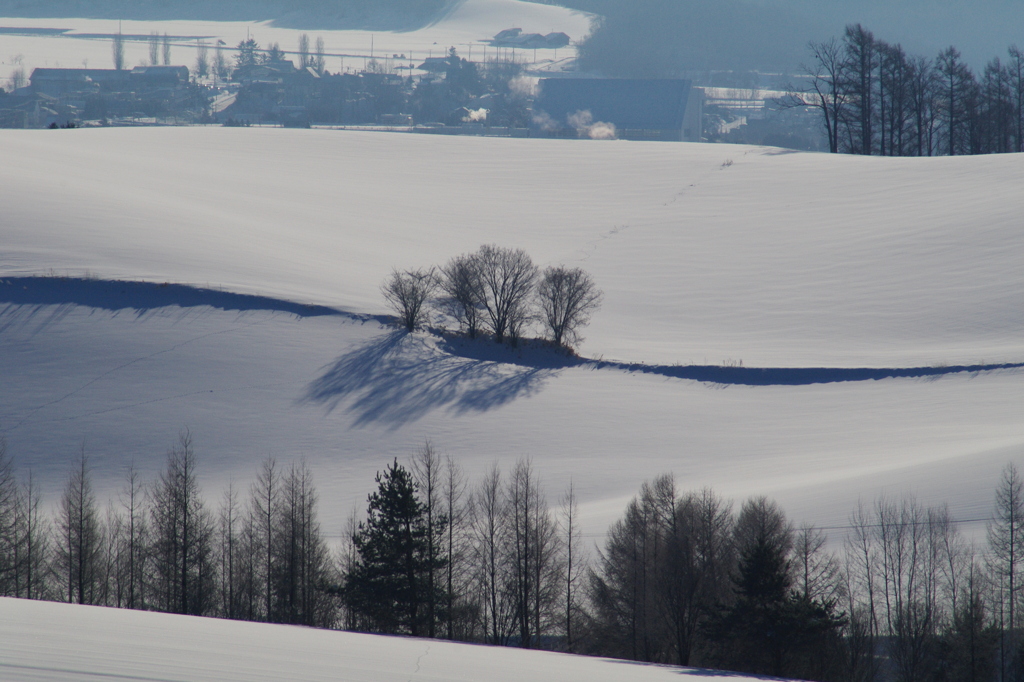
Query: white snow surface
(45, 641)
(778, 260)
(464, 28)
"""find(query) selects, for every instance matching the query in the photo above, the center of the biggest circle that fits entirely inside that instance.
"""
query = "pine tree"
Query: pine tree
(388, 586)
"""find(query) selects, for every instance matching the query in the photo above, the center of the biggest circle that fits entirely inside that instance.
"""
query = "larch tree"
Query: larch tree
(32, 549)
(303, 559)
(79, 540)
(8, 519)
(154, 48)
(1006, 540)
(304, 56)
(265, 503)
(182, 536)
(117, 48)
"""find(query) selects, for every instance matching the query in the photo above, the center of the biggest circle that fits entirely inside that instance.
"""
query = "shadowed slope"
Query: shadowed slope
(140, 296)
(396, 380)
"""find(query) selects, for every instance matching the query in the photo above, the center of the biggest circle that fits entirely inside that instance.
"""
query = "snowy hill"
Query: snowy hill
(60, 642)
(811, 265)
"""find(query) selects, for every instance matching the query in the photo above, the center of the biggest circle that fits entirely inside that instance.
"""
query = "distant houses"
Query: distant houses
(449, 95)
(514, 37)
(62, 96)
(61, 82)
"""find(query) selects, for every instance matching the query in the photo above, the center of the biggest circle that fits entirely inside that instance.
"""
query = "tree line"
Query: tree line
(874, 98)
(681, 578)
(497, 290)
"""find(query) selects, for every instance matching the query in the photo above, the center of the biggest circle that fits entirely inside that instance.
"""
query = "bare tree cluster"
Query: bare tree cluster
(499, 291)
(874, 98)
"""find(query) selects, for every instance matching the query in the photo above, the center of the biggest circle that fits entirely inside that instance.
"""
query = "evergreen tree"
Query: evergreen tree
(388, 586)
(772, 628)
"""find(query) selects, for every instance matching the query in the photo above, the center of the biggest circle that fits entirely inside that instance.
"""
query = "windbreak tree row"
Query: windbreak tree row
(875, 98)
(161, 547)
(680, 578)
(498, 291)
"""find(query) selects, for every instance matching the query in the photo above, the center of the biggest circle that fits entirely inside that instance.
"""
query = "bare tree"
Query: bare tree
(348, 560)
(220, 64)
(910, 546)
(507, 277)
(427, 472)
(304, 58)
(567, 297)
(460, 280)
(302, 556)
(922, 85)
(817, 569)
(136, 538)
(117, 47)
(1006, 540)
(861, 62)
(827, 82)
(407, 293)
(534, 546)
(265, 502)
(693, 574)
(8, 523)
(228, 550)
(32, 547)
(458, 512)
(167, 50)
(17, 78)
(202, 59)
(863, 601)
(1015, 69)
(182, 536)
(319, 62)
(575, 566)
(627, 587)
(493, 570)
(956, 81)
(154, 48)
(80, 537)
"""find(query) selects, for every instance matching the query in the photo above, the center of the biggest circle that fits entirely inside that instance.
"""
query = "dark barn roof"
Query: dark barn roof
(655, 104)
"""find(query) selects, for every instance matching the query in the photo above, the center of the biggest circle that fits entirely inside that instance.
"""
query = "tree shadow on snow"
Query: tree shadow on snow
(141, 297)
(398, 378)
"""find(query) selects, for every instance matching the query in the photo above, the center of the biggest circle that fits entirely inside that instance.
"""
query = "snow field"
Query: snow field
(786, 260)
(46, 641)
(775, 260)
